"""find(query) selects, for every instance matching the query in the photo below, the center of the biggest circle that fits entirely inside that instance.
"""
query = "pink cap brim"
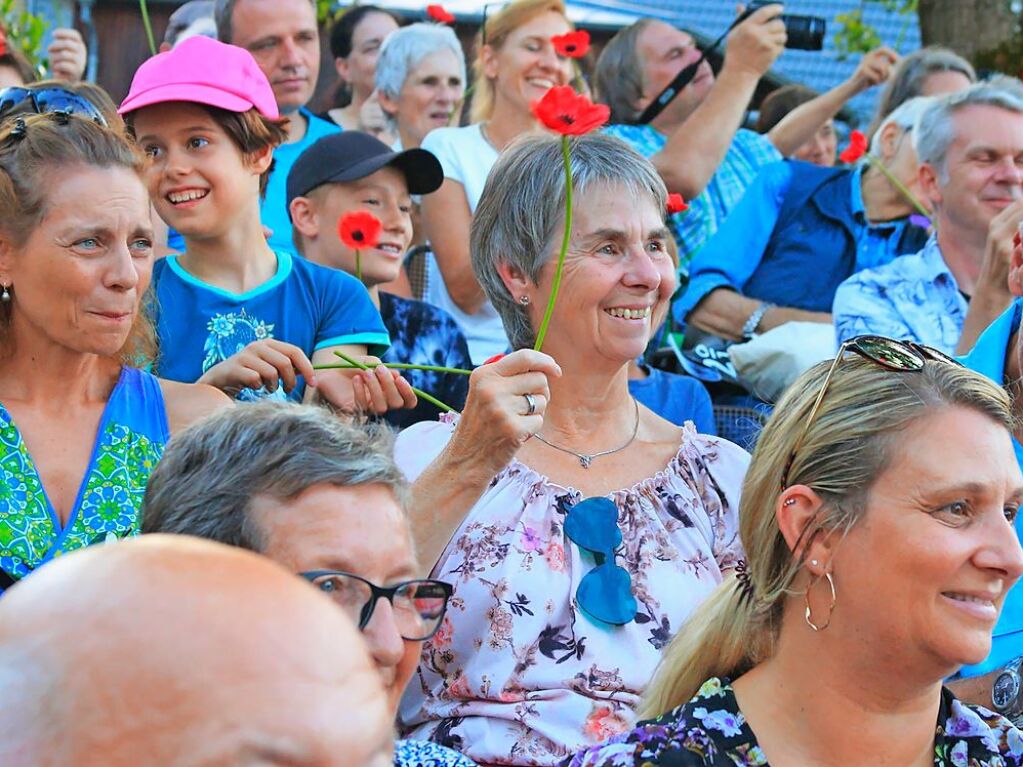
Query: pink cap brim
(196, 93)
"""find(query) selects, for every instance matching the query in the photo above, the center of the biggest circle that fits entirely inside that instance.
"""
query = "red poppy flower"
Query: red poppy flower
(573, 45)
(437, 13)
(676, 204)
(566, 112)
(495, 358)
(359, 229)
(3, 41)
(857, 146)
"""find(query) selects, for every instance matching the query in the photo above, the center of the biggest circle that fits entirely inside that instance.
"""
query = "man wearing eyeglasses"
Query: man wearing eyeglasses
(323, 499)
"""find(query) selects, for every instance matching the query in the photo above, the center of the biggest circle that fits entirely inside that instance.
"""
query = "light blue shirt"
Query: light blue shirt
(746, 155)
(914, 297)
(274, 210)
(736, 250)
(988, 358)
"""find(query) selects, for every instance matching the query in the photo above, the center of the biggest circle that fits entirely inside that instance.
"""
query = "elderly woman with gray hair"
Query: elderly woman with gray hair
(420, 80)
(580, 529)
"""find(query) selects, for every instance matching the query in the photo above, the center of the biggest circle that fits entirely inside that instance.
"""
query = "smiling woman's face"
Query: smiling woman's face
(79, 277)
(924, 573)
(618, 274)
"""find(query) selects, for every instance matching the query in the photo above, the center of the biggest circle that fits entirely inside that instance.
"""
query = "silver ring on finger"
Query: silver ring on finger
(530, 404)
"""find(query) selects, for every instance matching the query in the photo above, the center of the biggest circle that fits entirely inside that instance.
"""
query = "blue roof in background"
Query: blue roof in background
(820, 70)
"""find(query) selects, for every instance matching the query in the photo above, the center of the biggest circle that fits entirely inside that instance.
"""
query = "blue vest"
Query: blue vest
(816, 230)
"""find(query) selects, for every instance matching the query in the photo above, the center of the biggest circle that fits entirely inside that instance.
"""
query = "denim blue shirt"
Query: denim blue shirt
(988, 358)
(913, 297)
(738, 247)
(746, 155)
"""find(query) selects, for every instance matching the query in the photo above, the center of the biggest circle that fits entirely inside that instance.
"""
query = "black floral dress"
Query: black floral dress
(710, 731)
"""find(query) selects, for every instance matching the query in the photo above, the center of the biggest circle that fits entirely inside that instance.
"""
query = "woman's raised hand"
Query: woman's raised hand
(498, 417)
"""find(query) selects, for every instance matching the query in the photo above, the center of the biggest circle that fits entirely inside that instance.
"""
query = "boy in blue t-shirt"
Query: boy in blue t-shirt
(231, 311)
(354, 171)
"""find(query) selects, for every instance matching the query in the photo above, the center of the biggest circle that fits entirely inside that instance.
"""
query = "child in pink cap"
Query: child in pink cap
(231, 311)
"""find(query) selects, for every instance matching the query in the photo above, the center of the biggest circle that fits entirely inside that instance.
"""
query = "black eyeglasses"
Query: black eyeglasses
(605, 592)
(897, 356)
(18, 101)
(418, 605)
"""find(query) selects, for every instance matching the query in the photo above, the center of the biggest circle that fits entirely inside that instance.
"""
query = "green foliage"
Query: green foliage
(855, 36)
(329, 11)
(25, 32)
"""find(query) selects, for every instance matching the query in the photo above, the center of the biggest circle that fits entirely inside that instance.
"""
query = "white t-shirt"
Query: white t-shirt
(466, 157)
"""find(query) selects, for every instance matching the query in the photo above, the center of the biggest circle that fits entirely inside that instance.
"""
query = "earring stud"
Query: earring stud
(524, 300)
(5, 296)
(789, 502)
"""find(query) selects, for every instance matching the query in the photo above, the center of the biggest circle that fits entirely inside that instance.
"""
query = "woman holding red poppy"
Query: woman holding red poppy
(516, 65)
(580, 529)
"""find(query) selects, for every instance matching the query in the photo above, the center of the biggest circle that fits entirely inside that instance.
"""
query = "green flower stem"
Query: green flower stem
(903, 190)
(556, 283)
(419, 392)
(398, 366)
(358, 265)
(149, 27)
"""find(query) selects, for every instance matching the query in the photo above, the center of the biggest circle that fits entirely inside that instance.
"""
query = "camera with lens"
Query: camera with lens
(805, 33)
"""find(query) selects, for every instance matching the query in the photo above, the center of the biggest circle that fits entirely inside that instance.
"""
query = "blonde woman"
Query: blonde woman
(877, 517)
(515, 66)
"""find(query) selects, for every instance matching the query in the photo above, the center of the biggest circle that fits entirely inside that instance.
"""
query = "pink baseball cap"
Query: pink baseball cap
(202, 71)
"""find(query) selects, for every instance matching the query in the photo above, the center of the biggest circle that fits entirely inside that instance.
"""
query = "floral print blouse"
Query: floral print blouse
(710, 731)
(517, 673)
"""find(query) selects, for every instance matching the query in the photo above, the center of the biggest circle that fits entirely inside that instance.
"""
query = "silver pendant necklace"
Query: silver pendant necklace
(584, 459)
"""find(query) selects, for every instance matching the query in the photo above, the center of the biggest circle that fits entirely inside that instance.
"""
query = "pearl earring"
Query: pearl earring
(5, 296)
(813, 562)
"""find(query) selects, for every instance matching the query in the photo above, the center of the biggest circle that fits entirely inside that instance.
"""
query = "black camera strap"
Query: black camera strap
(683, 78)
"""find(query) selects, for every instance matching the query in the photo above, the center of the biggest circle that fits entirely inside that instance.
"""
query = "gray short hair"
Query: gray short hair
(905, 116)
(523, 206)
(405, 48)
(210, 472)
(619, 74)
(223, 11)
(935, 131)
(910, 76)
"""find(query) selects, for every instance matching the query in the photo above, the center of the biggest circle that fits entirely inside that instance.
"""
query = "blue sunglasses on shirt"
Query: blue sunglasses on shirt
(605, 592)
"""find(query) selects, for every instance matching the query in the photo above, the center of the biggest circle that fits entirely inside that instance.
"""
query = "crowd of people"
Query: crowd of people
(347, 344)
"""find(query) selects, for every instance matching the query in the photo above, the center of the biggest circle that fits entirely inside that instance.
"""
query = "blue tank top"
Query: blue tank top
(132, 433)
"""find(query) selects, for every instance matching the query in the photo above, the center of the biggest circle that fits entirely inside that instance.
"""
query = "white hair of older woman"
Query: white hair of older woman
(405, 48)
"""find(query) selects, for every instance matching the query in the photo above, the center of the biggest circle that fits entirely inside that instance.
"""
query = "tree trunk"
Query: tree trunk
(966, 26)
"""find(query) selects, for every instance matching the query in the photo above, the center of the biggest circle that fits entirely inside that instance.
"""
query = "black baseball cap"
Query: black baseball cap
(351, 155)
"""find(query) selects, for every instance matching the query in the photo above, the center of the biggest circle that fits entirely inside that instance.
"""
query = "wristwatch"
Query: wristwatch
(1006, 691)
(749, 328)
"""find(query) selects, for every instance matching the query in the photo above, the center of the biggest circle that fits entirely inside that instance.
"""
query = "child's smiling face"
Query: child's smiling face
(384, 194)
(198, 178)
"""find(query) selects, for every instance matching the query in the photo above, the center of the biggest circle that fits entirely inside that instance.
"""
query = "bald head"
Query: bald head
(167, 650)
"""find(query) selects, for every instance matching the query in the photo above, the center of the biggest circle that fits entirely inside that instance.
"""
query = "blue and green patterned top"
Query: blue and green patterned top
(131, 437)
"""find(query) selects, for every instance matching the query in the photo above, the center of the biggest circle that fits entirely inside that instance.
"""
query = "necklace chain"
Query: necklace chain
(584, 459)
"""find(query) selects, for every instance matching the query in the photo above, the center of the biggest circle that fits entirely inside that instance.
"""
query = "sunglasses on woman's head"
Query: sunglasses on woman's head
(20, 101)
(418, 606)
(605, 592)
(897, 356)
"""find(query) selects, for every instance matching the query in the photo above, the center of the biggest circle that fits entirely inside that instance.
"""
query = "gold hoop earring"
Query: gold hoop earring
(831, 609)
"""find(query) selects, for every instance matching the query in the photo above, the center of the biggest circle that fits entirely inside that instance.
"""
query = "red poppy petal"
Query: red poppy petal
(360, 229)
(495, 358)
